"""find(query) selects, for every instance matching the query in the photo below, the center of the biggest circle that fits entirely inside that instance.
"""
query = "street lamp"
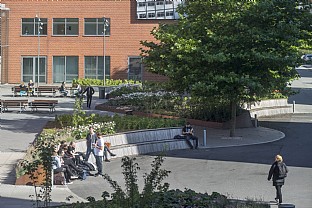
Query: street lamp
(106, 24)
(40, 24)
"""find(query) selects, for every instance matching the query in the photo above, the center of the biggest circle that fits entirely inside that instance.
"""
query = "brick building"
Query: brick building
(64, 39)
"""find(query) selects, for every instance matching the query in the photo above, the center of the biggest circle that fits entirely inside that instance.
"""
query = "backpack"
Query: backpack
(83, 175)
(282, 170)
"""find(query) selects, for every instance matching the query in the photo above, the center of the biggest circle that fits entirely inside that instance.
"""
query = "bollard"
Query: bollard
(286, 206)
(256, 121)
(205, 138)
(294, 102)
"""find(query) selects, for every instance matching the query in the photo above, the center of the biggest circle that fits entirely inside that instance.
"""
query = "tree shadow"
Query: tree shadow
(295, 147)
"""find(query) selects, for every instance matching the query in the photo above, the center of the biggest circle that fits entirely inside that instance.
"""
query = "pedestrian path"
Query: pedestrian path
(18, 130)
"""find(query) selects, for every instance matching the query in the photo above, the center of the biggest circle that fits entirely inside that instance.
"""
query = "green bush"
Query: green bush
(99, 82)
(157, 194)
(121, 123)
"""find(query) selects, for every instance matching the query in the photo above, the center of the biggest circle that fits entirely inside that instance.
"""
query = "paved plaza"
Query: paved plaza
(208, 169)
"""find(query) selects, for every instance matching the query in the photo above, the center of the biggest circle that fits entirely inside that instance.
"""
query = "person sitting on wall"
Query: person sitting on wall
(23, 89)
(107, 149)
(188, 134)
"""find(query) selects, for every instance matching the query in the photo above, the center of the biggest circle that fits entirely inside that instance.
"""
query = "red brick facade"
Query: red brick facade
(124, 40)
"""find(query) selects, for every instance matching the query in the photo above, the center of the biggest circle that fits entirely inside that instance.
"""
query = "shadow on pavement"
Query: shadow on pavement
(295, 148)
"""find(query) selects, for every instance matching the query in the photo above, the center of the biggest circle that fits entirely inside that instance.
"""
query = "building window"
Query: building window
(135, 68)
(66, 26)
(159, 7)
(159, 3)
(95, 26)
(169, 13)
(30, 69)
(151, 15)
(142, 16)
(30, 26)
(94, 67)
(151, 3)
(141, 4)
(160, 14)
(65, 68)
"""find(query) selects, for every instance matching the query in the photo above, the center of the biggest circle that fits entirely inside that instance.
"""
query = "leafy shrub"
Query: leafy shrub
(99, 82)
(116, 123)
(157, 194)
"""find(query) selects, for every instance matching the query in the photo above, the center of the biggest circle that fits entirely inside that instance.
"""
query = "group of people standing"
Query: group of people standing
(65, 158)
(96, 145)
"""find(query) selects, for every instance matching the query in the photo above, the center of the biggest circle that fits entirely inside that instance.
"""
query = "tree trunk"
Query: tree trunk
(233, 120)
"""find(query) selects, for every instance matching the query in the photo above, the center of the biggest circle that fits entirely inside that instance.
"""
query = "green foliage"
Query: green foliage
(223, 48)
(79, 114)
(156, 194)
(98, 82)
(131, 197)
(41, 157)
(122, 123)
(232, 50)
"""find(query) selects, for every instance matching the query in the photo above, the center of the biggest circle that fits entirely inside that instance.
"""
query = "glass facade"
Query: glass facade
(159, 9)
(95, 26)
(66, 26)
(65, 68)
(30, 26)
(135, 68)
(30, 69)
(94, 67)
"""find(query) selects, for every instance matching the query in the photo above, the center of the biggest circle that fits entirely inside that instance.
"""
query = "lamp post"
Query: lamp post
(40, 24)
(105, 24)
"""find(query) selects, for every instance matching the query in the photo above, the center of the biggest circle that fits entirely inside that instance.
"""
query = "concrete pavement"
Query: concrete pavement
(18, 130)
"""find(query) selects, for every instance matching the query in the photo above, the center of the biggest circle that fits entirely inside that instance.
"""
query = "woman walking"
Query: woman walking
(279, 171)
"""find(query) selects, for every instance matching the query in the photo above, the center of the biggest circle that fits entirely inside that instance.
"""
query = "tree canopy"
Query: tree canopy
(230, 50)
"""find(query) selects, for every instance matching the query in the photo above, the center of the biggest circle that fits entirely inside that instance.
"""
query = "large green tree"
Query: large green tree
(233, 50)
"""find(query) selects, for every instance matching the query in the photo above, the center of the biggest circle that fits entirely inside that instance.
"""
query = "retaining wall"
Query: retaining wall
(269, 107)
(141, 142)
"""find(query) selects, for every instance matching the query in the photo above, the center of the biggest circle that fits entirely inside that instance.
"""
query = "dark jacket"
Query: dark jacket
(91, 139)
(89, 90)
(274, 171)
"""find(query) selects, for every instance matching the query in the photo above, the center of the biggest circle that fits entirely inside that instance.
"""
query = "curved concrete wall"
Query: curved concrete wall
(269, 107)
(140, 142)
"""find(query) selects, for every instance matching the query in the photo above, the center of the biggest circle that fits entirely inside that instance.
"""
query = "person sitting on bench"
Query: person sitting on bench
(30, 88)
(188, 134)
(23, 89)
(63, 90)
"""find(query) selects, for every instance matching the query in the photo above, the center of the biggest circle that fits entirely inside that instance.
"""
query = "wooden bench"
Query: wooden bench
(47, 89)
(16, 91)
(21, 104)
(50, 104)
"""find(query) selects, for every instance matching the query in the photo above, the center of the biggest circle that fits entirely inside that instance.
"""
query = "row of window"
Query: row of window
(163, 14)
(66, 26)
(159, 9)
(65, 68)
(153, 3)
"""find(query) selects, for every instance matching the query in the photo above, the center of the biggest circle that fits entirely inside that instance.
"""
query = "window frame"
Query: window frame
(34, 69)
(67, 25)
(66, 71)
(99, 27)
(34, 26)
(99, 67)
